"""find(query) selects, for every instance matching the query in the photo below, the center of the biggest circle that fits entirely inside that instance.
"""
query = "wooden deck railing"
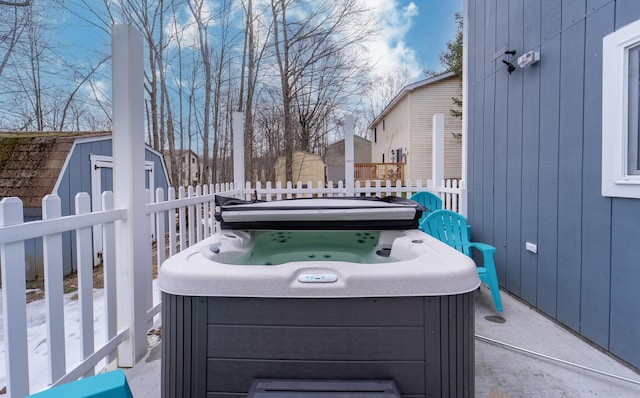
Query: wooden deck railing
(379, 171)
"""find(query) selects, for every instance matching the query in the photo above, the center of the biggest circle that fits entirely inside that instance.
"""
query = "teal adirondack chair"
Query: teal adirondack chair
(427, 200)
(451, 228)
(105, 385)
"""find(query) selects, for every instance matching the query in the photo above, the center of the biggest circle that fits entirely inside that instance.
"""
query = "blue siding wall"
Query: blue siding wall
(535, 165)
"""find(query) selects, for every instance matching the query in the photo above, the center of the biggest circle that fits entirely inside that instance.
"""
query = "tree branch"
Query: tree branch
(25, 3)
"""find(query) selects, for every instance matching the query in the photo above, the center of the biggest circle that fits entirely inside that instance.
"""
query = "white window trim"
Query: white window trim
(616, 182)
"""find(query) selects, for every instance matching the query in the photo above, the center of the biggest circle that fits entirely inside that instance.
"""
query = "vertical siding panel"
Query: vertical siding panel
(551, 18)
(489, 23)
(499, 151)
(514, 157)
(472, 37)
(501, 21)
(548, 177)
(85, 165)
(476, 48)
(593, 5)
(625, 277)
(480, 48)
(106, 175)
(626, 12)
(471, 123)
(485, 223)
(572, 12)
(569, 174)
(530, 149)
(499, 211)
(596, 215)
(106, 147)
(476, 133)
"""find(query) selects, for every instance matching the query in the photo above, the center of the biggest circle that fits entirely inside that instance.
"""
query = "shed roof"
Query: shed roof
(30, 163)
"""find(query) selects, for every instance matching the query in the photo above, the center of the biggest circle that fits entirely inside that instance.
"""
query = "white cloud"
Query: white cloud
(386, 49)
(184, 23)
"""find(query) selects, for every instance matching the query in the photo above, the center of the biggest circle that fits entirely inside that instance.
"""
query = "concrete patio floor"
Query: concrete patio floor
(500, 371)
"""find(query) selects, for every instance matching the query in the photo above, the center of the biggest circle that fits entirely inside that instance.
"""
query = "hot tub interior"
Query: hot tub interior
(283, 246)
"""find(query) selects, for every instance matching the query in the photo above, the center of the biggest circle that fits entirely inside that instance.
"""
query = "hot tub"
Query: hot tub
(318, 289)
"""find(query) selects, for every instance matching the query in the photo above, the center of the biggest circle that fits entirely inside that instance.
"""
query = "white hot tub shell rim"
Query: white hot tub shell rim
(431, 269)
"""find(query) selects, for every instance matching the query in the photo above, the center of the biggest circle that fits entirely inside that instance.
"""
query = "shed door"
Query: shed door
(101, 181)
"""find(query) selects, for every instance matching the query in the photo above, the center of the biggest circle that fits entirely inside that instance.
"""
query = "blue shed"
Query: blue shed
(553, 158)
(34, 165)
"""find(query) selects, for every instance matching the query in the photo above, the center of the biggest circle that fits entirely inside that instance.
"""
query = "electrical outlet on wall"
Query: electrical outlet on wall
(532, 247)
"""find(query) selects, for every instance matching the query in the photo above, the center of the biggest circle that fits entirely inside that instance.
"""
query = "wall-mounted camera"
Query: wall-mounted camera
(528, 58)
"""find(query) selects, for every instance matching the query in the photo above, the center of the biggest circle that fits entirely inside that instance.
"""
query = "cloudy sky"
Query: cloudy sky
(410, 34)
(413, 33)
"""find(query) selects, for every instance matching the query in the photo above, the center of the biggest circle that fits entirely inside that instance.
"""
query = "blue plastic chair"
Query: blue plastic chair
(451, 228)
(105, 385)
(427, 200)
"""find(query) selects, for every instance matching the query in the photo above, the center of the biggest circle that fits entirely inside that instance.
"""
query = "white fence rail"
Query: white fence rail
(176, 223)
(450, 191)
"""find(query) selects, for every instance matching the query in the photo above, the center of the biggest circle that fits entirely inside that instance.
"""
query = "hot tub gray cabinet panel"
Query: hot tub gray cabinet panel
(216, 346)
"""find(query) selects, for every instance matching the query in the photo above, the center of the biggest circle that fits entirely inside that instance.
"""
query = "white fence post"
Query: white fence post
(160, 225)
(237, 125)
(84, 255)
(437, 167)
(182, 220)
(171, 195)
(349, 159)
(133, 251)
(14, 306)
(53, 286)
(108, 267)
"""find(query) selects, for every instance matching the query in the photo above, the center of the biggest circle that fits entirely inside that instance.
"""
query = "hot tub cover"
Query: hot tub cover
(391, 212)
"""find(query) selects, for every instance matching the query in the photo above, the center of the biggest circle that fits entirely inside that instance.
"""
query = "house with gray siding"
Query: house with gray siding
(552, 158)
(334, 157)
(33, 165)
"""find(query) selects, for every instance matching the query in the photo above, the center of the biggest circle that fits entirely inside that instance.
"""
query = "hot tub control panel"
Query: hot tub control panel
(317, 278)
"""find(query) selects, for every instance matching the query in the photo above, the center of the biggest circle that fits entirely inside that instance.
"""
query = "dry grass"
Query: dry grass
(70, 283)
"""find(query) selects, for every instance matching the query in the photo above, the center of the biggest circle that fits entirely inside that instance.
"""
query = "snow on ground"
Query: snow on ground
(37, 337)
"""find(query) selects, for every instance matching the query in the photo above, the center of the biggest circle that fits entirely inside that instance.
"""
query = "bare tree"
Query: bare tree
(320, 35)
(256, 44)
(203, 19)
(382, 90)
(222, 119)
(12, 25)
(25, 3)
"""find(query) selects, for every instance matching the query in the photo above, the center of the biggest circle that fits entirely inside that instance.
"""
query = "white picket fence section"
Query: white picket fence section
(13, 233)
(450, 191)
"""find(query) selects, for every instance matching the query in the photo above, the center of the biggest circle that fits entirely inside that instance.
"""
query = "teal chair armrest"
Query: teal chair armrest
(483, 247)
(422, 225)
